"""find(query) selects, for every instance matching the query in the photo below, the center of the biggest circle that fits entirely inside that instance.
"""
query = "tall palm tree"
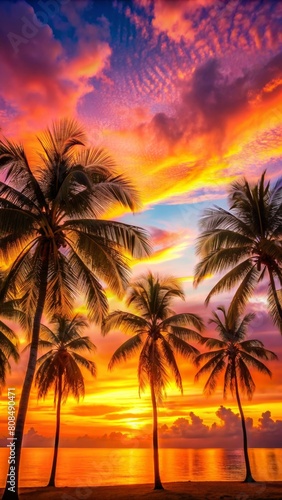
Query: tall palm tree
(158, 334)
(247, 240)
(233, 355)
(55, 237)
(60, 366)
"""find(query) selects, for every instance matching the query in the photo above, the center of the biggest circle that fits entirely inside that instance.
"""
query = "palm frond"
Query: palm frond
(85, 363)
(16, 273)
(104, 260)
(46, 375)
(116, 190)
(211, 383)
(245, 378)
(80, 344)
(43, 357)
(47, 334)
(89, 285)
(73, 380)
(11, 309)
(184, 333)
(211, 241)
(132, 239)
(184, 319)
(216, 358)
(62, 285)
(217, 217)
(7, 332)
(170, 359)
(211, 343)
(17, 170)
(126, 350)
(186, 350)
(230, 279)
(8, 347)
(207, 356)
(42, 344)
(156, 368)
(243, 292)
(218, 261)
(143, 363)
(97, 161)
(255, 363)
(127, 322)
(275, 306)
(256, 348)
(228, 380)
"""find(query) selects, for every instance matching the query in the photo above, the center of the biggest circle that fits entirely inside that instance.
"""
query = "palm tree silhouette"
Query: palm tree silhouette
(247, 239)
(60, 366)
(51, 223)
(234, 356)
(158, 333)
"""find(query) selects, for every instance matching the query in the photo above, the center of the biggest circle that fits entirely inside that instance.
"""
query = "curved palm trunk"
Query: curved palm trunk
(275, 296)
(158, 483)
(249, 478)
(57, 437)
(11, 493)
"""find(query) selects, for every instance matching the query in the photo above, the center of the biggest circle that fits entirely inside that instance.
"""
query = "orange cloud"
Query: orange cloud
(171, 17)
(219, 124)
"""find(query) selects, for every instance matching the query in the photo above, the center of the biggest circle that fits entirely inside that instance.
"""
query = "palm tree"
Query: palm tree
(55, 237)
(247, 240)
(60, 366)
(158, 334)
(234, 356)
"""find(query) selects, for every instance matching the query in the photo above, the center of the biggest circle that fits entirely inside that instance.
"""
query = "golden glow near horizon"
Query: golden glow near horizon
(184, 112)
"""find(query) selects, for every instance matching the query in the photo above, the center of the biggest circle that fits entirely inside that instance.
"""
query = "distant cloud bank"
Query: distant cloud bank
(183, 433)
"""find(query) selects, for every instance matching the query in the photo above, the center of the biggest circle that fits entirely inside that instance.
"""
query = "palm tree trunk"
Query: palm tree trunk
(11, 491)
(158, 483)
(249, 478)
(57, 437)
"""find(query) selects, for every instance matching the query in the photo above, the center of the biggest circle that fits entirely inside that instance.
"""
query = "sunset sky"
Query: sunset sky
(186, 96)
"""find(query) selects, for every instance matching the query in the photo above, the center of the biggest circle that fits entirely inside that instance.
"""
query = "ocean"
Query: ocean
(100, 466)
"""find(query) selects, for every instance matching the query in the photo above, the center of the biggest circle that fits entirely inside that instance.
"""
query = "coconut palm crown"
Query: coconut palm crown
(63, 357)
(53, 217)
(246, 241)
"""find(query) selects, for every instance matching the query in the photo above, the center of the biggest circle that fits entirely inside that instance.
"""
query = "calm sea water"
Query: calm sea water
(96, 466)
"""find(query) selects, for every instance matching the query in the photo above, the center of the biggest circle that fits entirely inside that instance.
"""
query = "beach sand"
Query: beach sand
(173, 491)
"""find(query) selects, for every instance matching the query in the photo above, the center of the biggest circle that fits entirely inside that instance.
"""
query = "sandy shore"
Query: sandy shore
(173, 491)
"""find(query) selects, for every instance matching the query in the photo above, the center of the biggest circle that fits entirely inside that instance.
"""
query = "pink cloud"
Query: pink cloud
(40, 78)
(223, 22)
(162, 238)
